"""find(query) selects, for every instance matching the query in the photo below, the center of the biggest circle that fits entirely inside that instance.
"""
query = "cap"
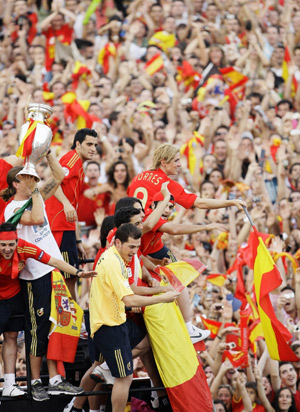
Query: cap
(247, 135)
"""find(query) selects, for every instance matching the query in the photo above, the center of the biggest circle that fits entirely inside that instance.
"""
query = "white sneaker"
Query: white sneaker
(99, 374)
(198, 334)
(13, 391)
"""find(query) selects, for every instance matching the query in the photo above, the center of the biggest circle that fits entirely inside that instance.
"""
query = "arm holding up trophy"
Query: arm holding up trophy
(52, 184)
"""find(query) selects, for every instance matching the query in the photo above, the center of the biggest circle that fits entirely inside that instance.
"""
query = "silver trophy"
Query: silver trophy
(42, 138)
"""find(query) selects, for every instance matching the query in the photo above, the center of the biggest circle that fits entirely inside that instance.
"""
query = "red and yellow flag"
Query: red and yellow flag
(266, 279)
(78, 110)
(108, 51)
(233, 78)
(25, 147)
(216, 279)
(172, 348)
(236, 358)
(285, 71)
(80, 72)
(188, 76)
(187, 149)
(66, 317)
(163, 40)
(154, 65)
(211, 325)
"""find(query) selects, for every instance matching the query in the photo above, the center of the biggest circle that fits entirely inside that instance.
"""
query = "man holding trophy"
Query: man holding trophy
(34, 228)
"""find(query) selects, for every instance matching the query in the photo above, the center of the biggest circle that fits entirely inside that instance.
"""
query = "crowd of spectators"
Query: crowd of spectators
(219, 79)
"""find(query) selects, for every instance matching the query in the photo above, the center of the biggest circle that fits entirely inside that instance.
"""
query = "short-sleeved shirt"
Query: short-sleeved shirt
(107, 291)
(146, 184)
(9, 282)
(151, 241)
(71, 186)
(40, 235)
(64, 35)
(87, 207)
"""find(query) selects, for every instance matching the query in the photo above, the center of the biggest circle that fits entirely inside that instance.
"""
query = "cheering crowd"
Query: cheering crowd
(201, 94)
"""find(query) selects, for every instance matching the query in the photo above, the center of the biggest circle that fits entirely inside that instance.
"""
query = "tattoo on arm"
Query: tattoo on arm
(49, 186)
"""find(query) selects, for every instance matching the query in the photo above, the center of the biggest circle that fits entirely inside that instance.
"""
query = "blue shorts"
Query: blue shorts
(115, 343)
(9, 308)
(163, 253)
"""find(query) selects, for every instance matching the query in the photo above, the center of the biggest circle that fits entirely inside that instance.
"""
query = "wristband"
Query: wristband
(78, 271)
(219, 337)
(36, 190)
(78, 241)
(49, 152)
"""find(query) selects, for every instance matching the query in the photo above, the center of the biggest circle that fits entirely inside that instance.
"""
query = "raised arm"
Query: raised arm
(50, 186)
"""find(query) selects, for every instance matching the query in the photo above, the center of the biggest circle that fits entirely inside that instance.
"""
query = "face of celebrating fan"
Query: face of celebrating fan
(7, 248)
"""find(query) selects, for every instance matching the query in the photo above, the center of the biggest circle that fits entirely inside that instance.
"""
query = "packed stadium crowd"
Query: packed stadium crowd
(170, 119)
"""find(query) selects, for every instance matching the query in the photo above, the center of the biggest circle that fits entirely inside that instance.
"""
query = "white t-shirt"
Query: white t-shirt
(40, 236)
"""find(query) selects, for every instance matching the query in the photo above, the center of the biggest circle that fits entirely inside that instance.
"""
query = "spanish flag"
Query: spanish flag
(108, 51)
(66, 318)
(217, 279)
(48, 96)
(236, 358)
(172, 348)
(188, 76)
(211, 325)
(78, 110)
(187, 149)
(266, 279)
(163, 40)
(80, 72)
(154, 65)
(233, 78)
(25, 147)
(285, 71)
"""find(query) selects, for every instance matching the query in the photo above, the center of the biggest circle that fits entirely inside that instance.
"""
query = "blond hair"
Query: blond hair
(165, 152)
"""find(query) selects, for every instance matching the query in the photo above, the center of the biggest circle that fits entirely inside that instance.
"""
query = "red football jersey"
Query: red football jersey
(151, 241)
(146, 184)
(71, 186)
(87, 207)
(9, 287)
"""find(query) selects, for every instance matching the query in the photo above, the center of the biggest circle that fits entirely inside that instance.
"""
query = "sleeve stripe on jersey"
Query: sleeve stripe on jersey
(26, 250)
(73, 160)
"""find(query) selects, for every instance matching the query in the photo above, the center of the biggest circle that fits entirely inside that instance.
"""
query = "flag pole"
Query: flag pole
(248, 216)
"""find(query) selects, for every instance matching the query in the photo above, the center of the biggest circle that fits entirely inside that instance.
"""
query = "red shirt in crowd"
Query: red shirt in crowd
(9, 282)
(64, 35)
(87, 207)
(151, 241)
(4, 169)
(71, 186)
(146, 184)
(32, 31)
